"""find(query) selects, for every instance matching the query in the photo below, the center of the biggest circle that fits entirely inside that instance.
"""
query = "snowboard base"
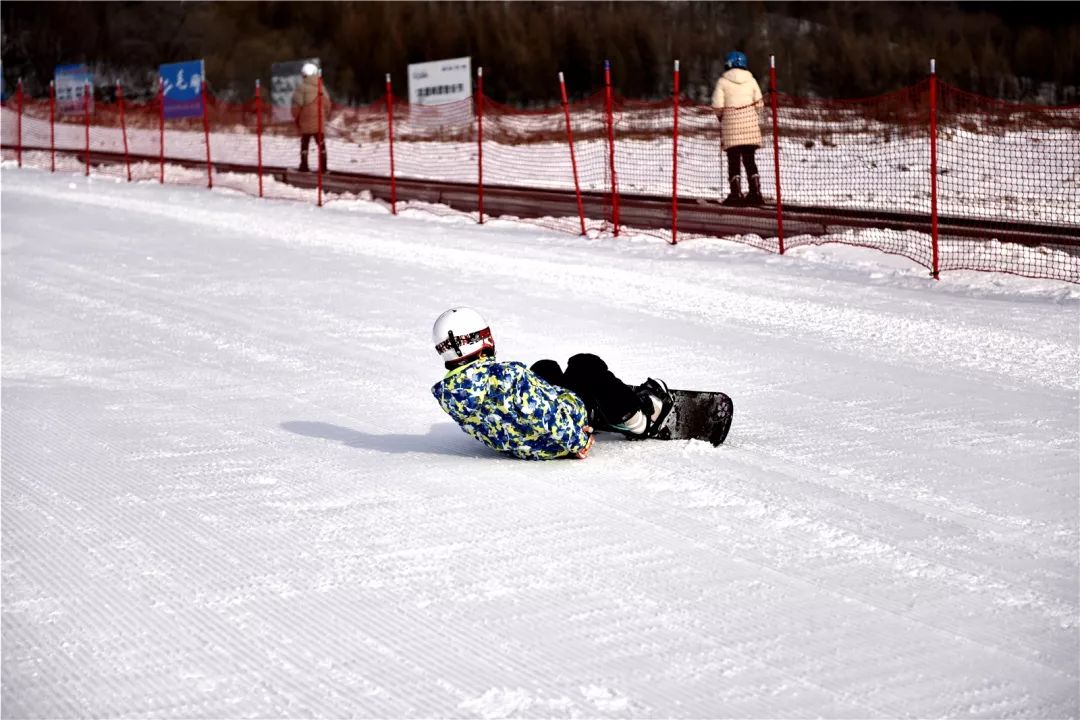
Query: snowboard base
(698, 415)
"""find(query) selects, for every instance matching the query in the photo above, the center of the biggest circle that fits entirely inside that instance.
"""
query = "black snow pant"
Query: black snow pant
(745, 153)
(305, 142)
(608, 399)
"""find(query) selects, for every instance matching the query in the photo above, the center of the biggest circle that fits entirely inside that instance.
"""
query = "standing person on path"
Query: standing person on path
(738, 102)
(310, 121)
(537, 413)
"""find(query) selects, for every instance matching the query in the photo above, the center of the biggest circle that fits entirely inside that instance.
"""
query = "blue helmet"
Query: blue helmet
(736, 59)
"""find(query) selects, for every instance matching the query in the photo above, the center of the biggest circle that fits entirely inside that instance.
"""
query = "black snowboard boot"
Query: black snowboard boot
(735, 197)
(656, 404)
(754, 198)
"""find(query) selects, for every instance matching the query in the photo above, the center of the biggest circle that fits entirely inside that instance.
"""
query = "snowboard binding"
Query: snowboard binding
(656, 405)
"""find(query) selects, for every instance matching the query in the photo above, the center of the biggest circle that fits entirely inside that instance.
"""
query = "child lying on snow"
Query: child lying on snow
(542, 412)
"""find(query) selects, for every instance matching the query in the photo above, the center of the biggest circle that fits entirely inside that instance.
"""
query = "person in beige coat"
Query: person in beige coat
(310, 121)
(737, 101)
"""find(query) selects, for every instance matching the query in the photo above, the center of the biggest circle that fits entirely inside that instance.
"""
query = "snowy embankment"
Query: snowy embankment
(986, 254)
(227, 491)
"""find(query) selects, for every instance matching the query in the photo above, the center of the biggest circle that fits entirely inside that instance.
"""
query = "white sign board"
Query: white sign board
(440, 81)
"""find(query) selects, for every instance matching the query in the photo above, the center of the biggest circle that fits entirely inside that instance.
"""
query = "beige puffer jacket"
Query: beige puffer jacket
(738, 96)
(305, 106)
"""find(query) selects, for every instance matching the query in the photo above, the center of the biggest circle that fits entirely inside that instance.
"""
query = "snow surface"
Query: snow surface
(227, 491)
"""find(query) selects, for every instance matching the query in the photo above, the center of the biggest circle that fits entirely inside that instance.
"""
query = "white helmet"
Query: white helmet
(309, 69)
(461, 333)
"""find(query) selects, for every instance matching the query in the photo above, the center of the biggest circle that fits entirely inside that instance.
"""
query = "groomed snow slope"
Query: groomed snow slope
(227, 491)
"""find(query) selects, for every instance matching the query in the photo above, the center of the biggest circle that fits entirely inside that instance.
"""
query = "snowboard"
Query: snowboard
(698, 415)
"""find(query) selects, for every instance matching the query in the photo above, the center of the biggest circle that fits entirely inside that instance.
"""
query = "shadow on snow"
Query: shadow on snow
(440, 439)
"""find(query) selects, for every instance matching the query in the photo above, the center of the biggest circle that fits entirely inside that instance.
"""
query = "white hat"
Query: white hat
(309, 69)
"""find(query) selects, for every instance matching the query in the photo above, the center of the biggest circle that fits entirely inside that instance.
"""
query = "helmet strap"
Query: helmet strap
(453, 342)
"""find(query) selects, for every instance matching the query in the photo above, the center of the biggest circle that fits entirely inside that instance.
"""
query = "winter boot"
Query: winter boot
(656, 404)
(754, 198)
(322, 159)
(303, 164)
(735, 198)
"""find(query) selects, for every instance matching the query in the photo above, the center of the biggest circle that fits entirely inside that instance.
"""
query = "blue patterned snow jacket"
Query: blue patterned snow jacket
(512, 410)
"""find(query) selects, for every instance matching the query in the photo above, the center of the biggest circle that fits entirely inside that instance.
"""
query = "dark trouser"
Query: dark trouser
(745, 153)
(608, 399)
(305, 141)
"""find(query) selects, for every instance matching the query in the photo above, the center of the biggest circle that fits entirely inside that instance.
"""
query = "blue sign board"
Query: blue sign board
(183, 88)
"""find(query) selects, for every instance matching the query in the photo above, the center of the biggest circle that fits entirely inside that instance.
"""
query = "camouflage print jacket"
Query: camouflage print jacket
(512, 410)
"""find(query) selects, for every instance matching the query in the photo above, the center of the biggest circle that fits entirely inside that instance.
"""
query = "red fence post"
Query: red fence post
(480, 140)
(52, 126)
(675, 161)
(776, 152)
(206, 134)
(86, 122)
(573, 158)
(18, 122)
(933, 170)
(390, 135)
(611, 145)
(258, 131)
(161, 128)
(321, 136)
(123, 127)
